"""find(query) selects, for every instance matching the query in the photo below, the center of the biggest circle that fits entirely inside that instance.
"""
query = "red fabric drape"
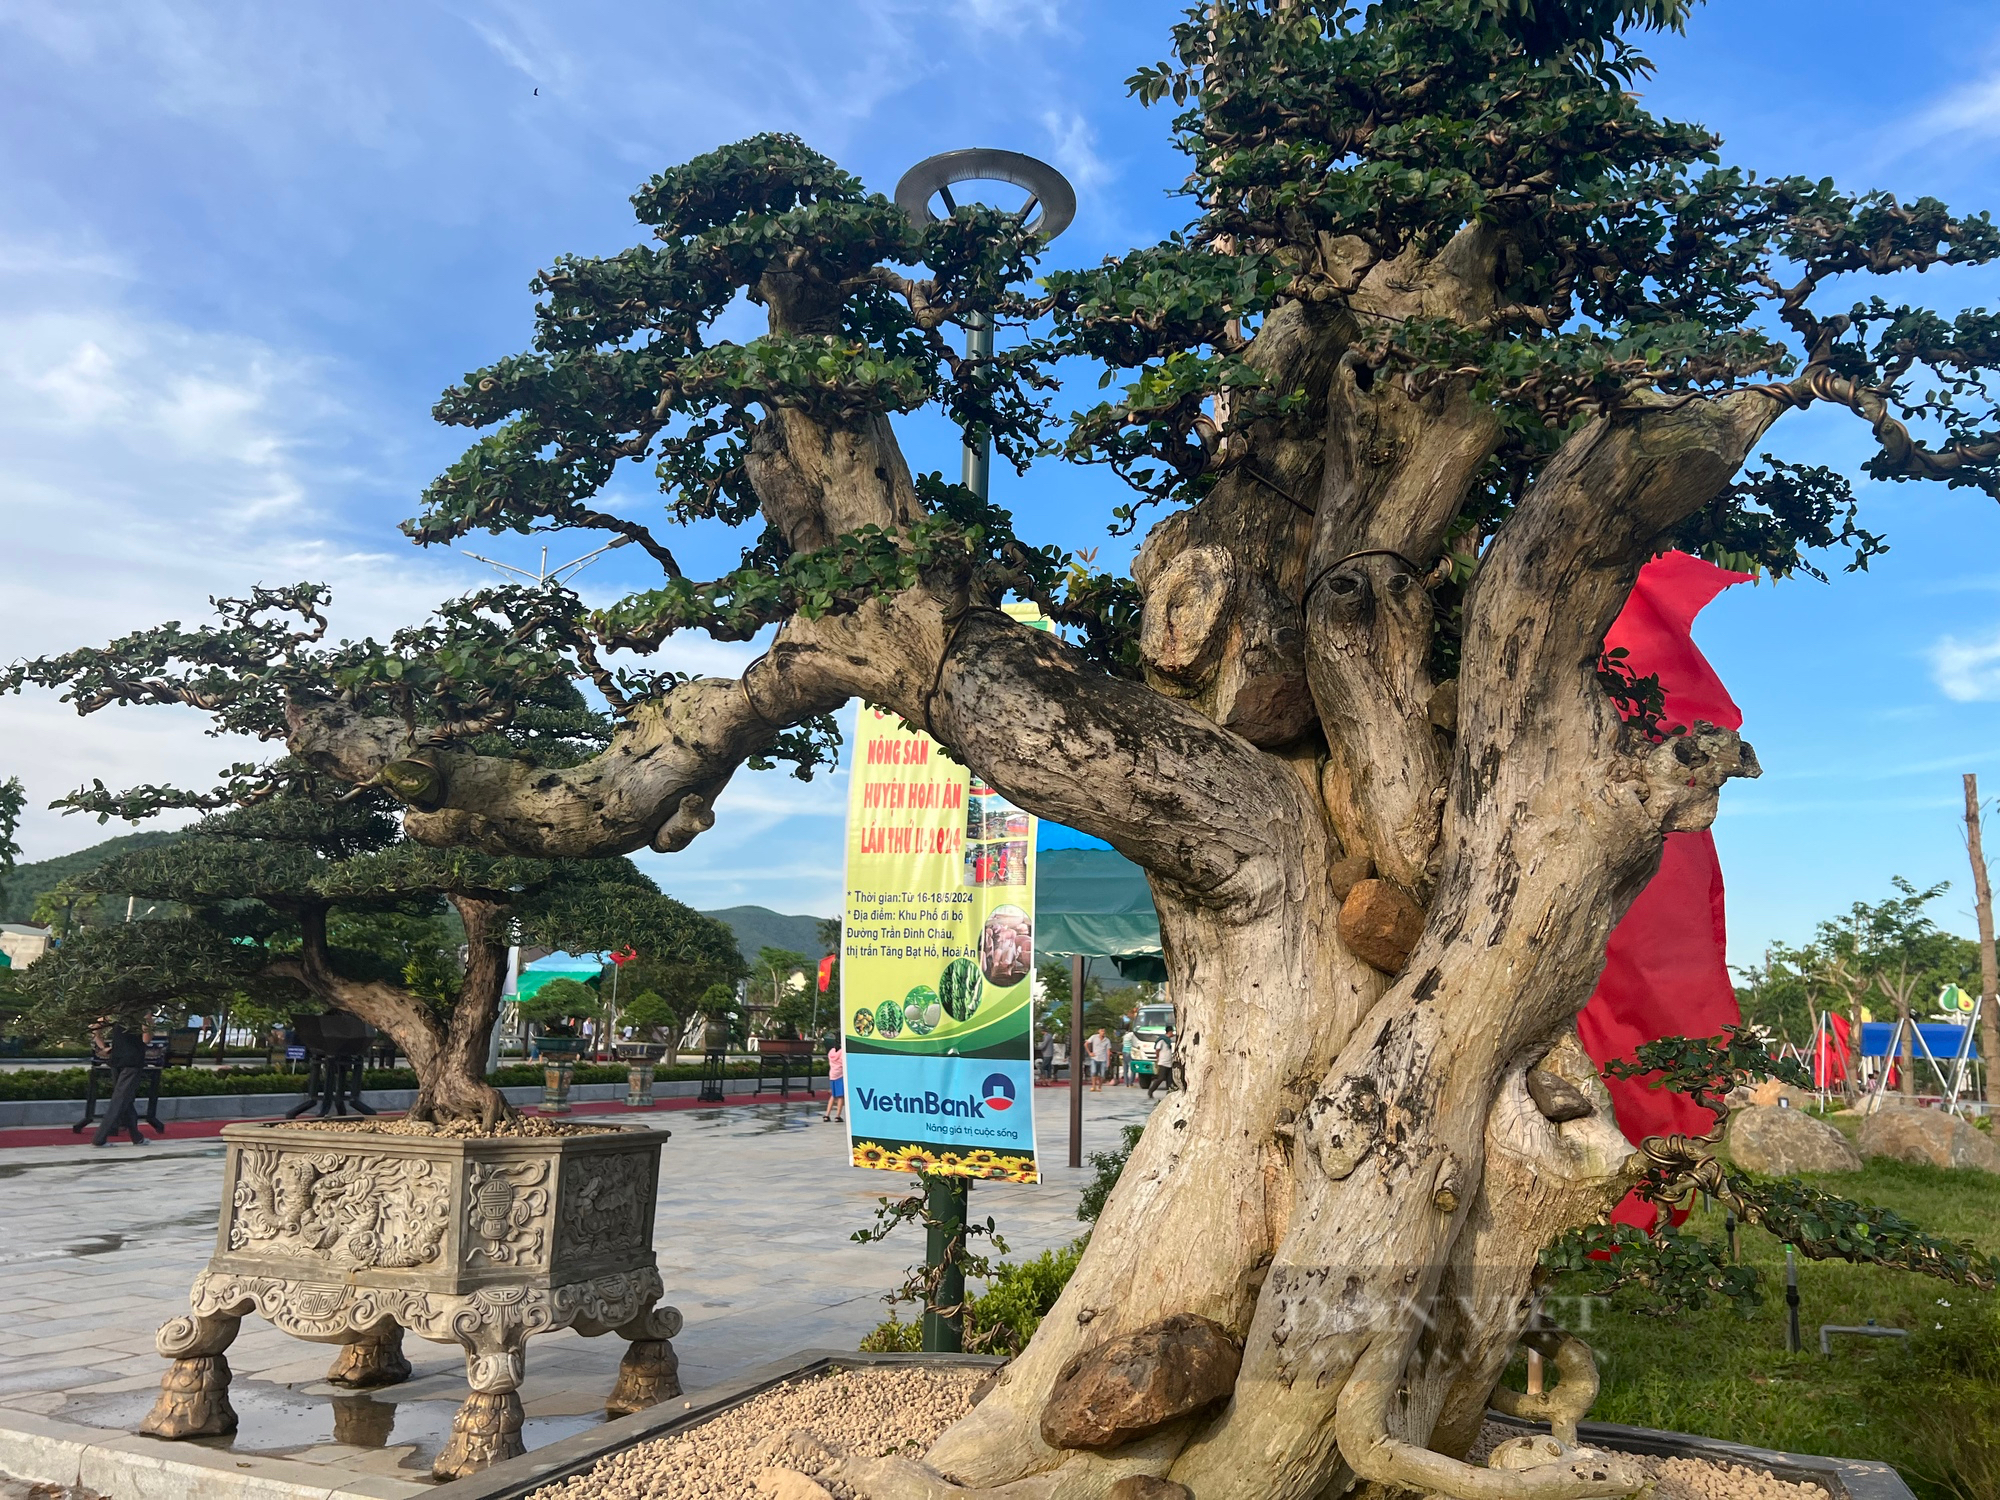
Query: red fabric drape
(1831, 1053)
(1665, 971)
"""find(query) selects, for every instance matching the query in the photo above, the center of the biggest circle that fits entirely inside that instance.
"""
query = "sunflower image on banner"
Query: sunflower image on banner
(937, 963)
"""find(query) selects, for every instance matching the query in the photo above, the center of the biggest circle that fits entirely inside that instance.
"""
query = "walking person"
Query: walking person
(1128, 1050)
(125, 1055)
(836, 1083)
(1099, 1048)
(1047, 1055)
(1163, 1064)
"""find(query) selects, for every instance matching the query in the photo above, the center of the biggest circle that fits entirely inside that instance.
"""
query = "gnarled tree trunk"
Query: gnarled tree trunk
(446, 1051)
(1357, 1179)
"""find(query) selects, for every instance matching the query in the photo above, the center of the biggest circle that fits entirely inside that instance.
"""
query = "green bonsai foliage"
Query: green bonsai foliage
(1677, 1270)
(292, 901)
(560, 1007)
(651, 1016)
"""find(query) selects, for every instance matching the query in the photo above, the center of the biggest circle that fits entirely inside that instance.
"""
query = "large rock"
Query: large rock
(1130, 1386)
(1777, 1142)
(1928, 1136)
(1380, 924)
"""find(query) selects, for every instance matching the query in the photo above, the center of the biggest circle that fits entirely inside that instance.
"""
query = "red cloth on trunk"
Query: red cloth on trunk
(1665, 970)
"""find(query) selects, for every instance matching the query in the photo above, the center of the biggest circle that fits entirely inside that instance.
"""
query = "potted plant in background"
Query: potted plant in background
(648, 1013)
(558, 1011)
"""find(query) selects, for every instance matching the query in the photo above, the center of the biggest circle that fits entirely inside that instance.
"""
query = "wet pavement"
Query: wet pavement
(757, 1203)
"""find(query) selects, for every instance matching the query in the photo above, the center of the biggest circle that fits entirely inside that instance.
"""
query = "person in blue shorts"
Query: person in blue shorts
(836, 1084)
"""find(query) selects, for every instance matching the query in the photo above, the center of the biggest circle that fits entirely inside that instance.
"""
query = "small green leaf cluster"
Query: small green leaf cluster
(624, 368)
(1329, 140)
(1674, 1272)
(1707, 1068)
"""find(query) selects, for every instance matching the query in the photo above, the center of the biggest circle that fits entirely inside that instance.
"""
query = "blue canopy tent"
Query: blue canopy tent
(1943, 1038)
(1951, 1048)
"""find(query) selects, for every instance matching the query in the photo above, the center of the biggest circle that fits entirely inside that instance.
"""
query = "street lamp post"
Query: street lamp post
(1050, 206)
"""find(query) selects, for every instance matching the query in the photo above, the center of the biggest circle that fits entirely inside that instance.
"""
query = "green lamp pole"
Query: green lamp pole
(1049, 192)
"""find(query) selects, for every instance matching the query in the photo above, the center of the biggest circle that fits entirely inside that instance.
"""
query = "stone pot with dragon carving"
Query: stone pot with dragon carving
(353, 1236)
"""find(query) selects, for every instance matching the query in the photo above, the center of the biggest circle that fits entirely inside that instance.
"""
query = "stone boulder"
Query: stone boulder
(1776, 1142)
(1928, 1136)
(1777, 1091)
(1380, 924)
(1127, 1387)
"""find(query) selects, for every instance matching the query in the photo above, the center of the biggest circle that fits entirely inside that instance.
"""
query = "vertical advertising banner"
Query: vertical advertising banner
(937, 963)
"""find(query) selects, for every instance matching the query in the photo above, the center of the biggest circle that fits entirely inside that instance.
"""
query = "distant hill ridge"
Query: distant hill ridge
(26, 882)
(755, 926)
(760, 927)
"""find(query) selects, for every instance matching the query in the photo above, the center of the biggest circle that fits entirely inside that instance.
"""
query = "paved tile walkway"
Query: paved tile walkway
(97, 1249)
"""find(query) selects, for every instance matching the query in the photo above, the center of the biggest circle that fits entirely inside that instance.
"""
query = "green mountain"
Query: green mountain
(20, 887)
(760, 927)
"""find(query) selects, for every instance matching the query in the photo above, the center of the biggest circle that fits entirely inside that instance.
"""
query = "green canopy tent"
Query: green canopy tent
(1091, 902)
(1095, 903)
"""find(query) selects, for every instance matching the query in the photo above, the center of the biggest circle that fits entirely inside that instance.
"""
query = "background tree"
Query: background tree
(13, 799)
(783, 988)
(681, 980)
(1457, 337)
(562, 1006)
(292, 899)
(1109, 1010)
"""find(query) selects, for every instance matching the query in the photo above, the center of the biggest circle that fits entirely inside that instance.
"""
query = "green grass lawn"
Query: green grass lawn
(1930, 1406)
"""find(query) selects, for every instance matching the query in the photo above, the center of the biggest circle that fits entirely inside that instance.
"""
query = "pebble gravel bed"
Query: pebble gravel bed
(520, 1125)
(902, 1410)
(878, 1412)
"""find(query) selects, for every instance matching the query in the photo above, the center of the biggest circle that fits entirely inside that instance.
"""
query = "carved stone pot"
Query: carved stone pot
(351, 1238)
(639, 1085)
(557, 1075)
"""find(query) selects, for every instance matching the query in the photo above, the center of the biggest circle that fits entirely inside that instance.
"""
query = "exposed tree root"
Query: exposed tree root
(1576, 1385)
(1362, 1427)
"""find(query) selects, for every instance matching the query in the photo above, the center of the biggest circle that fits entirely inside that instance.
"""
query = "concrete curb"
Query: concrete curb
(47, 1112)
(126, 1466)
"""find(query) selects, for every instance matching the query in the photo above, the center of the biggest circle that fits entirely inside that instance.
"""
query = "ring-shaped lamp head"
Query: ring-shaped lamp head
(1047, 188)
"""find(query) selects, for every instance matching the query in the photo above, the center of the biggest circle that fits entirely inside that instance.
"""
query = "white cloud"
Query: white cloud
(145, 466)
(1967, 671)
(1073, 143)
(1972, 109)
(1011, 17)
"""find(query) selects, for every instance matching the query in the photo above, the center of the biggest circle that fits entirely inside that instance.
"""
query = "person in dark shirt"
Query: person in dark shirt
(125, 1054)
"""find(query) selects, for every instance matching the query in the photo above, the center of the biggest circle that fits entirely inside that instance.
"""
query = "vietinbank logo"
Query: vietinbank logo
(929, 1103)
(998, 1091)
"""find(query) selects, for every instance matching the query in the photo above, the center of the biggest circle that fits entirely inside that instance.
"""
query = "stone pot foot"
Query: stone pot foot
(194, 1400)
(194, 1393)
(372, 1363)
(486, 1431)
(649, 1373)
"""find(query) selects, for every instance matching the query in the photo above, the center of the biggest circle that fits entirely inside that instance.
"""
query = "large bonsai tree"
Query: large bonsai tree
(297, 899)
(1458, 336)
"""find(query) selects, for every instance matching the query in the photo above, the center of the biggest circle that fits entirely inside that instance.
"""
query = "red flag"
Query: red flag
(825, 973)
(1665, 970)
(624, 955)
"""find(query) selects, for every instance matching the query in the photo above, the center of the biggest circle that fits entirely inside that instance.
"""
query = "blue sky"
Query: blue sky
(243, 246)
